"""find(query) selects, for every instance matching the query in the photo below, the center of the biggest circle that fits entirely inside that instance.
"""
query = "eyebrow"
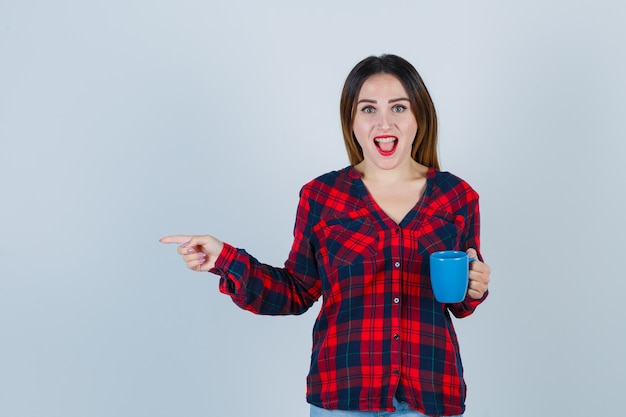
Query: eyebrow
(394, 100)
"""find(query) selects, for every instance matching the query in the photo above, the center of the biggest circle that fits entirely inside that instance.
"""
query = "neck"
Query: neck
(405, 172)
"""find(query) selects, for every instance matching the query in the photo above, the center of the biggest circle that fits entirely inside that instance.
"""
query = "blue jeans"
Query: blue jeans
(402, 410)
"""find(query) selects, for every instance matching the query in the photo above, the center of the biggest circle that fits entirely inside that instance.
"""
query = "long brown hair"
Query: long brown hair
(424, 149)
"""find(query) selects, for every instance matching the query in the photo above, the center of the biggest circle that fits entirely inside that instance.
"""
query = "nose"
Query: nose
(383, 121)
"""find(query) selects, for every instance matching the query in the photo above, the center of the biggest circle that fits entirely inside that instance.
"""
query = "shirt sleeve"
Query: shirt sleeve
(471, 239)
(268, 290)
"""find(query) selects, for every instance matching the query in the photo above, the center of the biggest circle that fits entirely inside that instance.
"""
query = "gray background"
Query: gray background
(123, 121)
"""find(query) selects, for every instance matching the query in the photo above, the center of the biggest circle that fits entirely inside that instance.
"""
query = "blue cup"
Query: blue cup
(449, 275)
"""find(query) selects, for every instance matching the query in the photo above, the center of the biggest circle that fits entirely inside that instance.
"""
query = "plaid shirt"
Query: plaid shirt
(380, 332)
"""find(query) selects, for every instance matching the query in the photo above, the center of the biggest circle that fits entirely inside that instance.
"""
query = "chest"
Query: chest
(397, 200)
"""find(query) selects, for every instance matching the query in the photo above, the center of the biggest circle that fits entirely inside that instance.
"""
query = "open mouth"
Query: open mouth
(386, 145)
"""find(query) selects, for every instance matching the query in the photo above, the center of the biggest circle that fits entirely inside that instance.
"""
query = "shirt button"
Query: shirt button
(396, 372)
(396, 336)
(397, 264)
(396, 300)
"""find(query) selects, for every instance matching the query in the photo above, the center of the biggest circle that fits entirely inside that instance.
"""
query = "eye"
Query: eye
(398, 108)
(368, 109)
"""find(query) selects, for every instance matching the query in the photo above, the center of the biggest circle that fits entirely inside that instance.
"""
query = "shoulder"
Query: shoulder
(449, 184)
(331, 180)
(333, 192)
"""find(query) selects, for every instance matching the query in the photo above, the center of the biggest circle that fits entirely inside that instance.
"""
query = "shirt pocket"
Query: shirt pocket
(350, 241)
(441, 230)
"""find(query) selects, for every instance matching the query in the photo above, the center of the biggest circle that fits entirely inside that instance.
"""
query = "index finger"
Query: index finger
(180, 239)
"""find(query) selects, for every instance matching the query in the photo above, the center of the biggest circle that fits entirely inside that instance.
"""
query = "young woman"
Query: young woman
(362, 240)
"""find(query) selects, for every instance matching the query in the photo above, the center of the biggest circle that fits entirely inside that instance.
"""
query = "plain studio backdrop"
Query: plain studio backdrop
(123, 121)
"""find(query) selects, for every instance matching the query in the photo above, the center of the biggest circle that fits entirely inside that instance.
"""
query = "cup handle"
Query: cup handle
(472, 260)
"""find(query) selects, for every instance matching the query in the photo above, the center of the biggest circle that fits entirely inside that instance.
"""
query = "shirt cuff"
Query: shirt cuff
(228, 284)
(224, 259)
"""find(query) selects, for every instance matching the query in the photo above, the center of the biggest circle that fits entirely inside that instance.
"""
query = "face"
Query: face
(384, 124)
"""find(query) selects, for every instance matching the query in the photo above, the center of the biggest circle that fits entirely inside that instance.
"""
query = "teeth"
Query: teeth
(384, 140)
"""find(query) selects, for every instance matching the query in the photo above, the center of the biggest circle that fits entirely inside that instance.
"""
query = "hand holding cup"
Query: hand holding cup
(455, 274)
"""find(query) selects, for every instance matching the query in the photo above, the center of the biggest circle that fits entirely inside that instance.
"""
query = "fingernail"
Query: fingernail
(190, 250)
(184, 245)
(202, 255)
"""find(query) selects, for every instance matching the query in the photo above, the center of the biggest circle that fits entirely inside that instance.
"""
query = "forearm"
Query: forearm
(261, 288)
